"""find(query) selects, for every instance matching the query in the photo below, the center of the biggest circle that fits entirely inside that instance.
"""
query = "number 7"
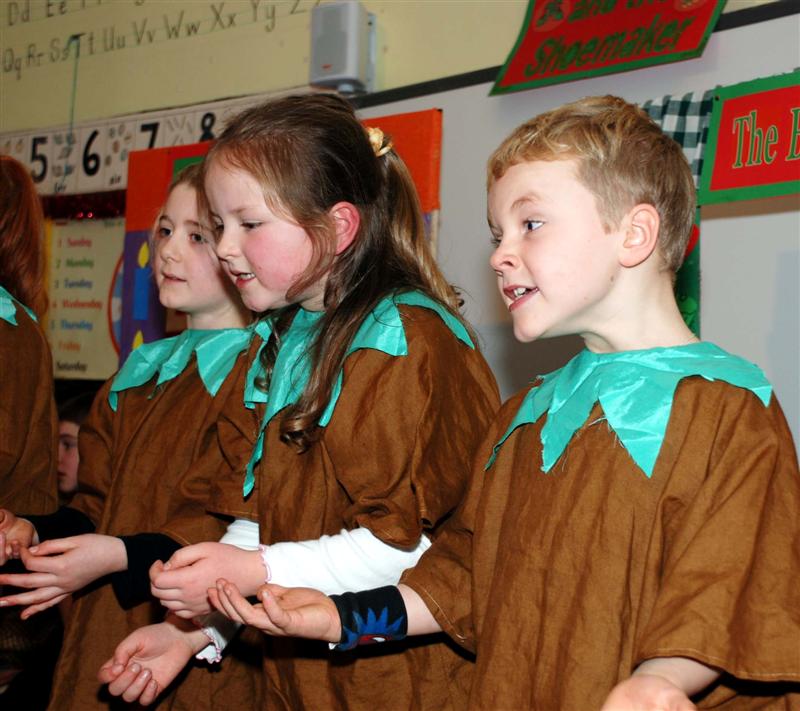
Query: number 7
(152, 129)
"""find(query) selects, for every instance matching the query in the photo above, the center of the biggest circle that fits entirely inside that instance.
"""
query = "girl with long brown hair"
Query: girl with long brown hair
(370, 391)
(28, 420)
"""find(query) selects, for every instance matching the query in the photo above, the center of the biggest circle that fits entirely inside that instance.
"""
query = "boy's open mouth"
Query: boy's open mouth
(518, 294)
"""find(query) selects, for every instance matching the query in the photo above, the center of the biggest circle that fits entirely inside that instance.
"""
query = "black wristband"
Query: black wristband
(61, 524)
(371, 616)
(132, 586)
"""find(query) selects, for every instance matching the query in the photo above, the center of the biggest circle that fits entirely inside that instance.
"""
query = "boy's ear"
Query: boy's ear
(346, 221)
(641, 226)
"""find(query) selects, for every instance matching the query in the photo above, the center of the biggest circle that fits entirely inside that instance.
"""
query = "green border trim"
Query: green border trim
(523, 31)
(707, 196)
(599, 71)
(180, 163)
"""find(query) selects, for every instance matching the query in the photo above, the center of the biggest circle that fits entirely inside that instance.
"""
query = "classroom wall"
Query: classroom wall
(750, 257)
(141, 55)
(750, 252)
(750, 276)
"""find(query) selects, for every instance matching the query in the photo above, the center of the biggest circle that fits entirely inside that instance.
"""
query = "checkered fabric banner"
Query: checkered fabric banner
(685, 119)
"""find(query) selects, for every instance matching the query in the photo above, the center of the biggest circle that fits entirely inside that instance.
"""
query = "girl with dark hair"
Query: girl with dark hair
(370, 392)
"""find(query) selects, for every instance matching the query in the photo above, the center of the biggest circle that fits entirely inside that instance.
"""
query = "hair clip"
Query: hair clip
(376, 139)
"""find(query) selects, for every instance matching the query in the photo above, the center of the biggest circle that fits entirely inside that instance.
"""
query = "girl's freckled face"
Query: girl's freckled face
(263, 253)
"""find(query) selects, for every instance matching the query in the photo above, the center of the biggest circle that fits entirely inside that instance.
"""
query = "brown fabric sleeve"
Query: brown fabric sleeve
(190, 522)
(28, 419)
(96, 447)
(404, 429)
(236, 435)
(729, 593)
(213, 483)
(237, 432)
(443, 577)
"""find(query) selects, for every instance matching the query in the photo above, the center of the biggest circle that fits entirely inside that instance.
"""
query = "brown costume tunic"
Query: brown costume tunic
(392, 459)
(28, 419)
(133, 479)
(563, 582)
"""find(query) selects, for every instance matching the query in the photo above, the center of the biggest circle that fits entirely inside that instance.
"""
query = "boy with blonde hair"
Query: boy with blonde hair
(629, 537)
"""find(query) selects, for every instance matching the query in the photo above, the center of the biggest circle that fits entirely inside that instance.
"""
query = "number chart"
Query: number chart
(93, 157)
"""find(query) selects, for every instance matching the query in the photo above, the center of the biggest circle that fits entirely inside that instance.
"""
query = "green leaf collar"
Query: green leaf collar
(9, 306)
(636, 391)
(216, 352)
(381, 330)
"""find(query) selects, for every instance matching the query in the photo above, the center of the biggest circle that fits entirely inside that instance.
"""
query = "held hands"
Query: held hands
(182, 582)
(647, 692)
(15, 533)
(661, 684)
(148, 660)
(283, 612)
(61, 566)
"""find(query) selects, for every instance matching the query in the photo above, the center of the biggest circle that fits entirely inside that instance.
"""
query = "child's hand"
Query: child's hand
(284, 612)
(61, 566)
(647, 692)
(149, 659)
(182, 582)
(15, 533)
(662, 684)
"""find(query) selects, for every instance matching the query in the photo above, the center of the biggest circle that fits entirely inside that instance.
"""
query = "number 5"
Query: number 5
(40, 158)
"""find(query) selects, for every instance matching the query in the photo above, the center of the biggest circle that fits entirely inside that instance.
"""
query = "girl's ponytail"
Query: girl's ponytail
(400, 202)
(309, 153)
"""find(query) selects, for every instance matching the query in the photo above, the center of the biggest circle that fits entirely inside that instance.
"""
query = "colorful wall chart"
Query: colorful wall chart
(85, 290)
(92, 157)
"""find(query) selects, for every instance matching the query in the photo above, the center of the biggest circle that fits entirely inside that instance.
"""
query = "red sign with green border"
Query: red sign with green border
(753, 147)
(562, 40)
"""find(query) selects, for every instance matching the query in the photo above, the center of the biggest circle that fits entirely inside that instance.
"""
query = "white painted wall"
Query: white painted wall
(750, 253)
(750, 289)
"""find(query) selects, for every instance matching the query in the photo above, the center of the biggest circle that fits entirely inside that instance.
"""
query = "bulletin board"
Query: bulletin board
(417, 138)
